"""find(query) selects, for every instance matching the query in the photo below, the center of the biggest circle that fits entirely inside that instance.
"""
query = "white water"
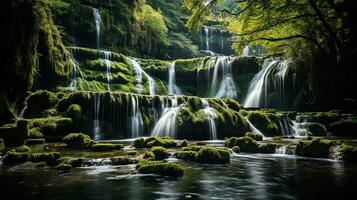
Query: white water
(108, 65)
(73, 84)
(98, 22)
(227, 87)
(22, 113)
(254, 129)
(96, 121)
(173, 89)
(207, 38)
(211, 115)
(301, 125)
(245, 51)
(166, 126)
(222, 43)
(139, 72)
(136, 118)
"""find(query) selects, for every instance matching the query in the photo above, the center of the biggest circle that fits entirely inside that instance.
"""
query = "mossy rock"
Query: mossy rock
(184, 143)
(14, 135)
(64, 167)
(154, 141)
(186, 155)
(201, 143)
(245, 144)
(121, 160)
(349, 153)
(254, 136)
(35, 133)
(236, 149)
(78, 141)
(267, 148)
(49, 158)
(160, 168)
(132, 153)
(149, 155)
(264, 122)
(317, 148)
(212, 155)
(345, 127)
(192, 148)
(106, 147)
(22, 149)
(12, 158)
(74, 111)
(317, 129)
(74, 162)
(160, 152)
(2, 144)
(38, 102)
(53, 128)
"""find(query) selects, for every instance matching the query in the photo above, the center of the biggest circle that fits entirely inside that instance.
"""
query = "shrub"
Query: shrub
(213, 155)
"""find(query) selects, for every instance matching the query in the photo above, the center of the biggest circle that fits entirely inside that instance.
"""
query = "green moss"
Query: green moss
(132, 153)
(53, 128)
(236, 149)
(149, 155)
(186, 155)
(74, 162)
(2, 144)
(106, 147)
(78, 141)
(40, 101)
(35, 133)
(213, 156)
(160, 168)
(64, 167)
(345, 127)
(184, 143)
(22, 149)
(121, 161)
(317, 148)
(267, 148)
(264, 122)
(349, 153)
(154, 141)
(12, 157)
(49, 158)
(192, 148)
(139, 143)
(74, 111)
(254, 136)
(160, 152)
(201, 143)
(245, 144)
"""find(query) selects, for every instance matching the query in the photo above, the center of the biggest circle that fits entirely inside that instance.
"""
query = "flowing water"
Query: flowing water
(136, 118)
(108, 65)
(139, 72)
(245, 51)
(96, 120)
(254, 129)
(98, 22)
(253, 176)
(173, 89)
(23, 110)
(211, 116)
(73, 84)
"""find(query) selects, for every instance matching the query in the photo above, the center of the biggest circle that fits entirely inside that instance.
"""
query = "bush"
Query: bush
(78, 141)
(317, 148)
(236, 149)
(245, 144)
(106, 147)
(213, 156)
(13, 157)
(49, 158)
(254, 136)
(160, 168)
(64, 167)
(186, 155)
(120, 160)
(160, 153)
(349, 153)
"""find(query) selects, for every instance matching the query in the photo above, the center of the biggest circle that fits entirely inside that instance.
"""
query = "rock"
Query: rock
(213, 156)
(78, 141)
(160, 168)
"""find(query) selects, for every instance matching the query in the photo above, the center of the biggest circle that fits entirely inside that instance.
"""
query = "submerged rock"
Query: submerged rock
(160, 168)
(213, 156)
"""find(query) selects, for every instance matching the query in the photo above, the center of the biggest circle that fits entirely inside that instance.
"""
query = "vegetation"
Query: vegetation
(160, 168)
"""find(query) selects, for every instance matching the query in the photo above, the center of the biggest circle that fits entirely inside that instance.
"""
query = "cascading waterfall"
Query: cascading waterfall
(73, 84)
(22, 113)
(254, 129)
(136, 118)
(227, 88)
(301, 126)
(173, 89)
(222, 42)
(139, 78)
(96, 121)
(98, 22)
(207, 37)
(245, 51)
(211, 115)
(166, 126)
(286, 126)
(108, 64)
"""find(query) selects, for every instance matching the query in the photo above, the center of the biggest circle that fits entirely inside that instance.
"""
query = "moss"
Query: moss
(160, 168)
(184, 143)
(317, 129)
(74, 111)
(264, 122)
(121, 161)
(78, 141)
(149, 155)
(201, 143)
(40, 101)
(22, 149)
(106, 147)
(49, 158)
(14, 135)
(213, 156)
(186, 155)
(254, 136)
(267, 148)
(35, 133)
(236, 149)
(154, 141)
(139, 143)
(2, 144)
(192, 148)
(53, 128)
(349, 153)
(345, 127)
(74, 162)
(245, 144)
(64, 167)
(132, 153)
(12, 157)
(160, 152)
(317, 148)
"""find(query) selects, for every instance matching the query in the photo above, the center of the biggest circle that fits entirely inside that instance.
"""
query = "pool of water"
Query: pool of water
(252, 176)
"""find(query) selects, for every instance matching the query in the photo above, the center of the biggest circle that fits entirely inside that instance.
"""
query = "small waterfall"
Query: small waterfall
(136, 118)
(227, 88)
(173, 89)
(22, 113)
(96, 121)
(286, 126)
(166, 126)
(254, 129)
(245, 51)
(108, 64)
(207, 38)
(285, 150)
(98, 22)
(301, 126)
(211, 115)
(73, 84)
(222, 42)
(139, 78)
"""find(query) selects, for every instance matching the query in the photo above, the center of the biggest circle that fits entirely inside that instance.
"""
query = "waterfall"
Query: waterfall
(211, 115)
(173, 89)
(286, 126)
(139, 78)
(22, 113)
(136, 118)
(301, 125)
(96, 121)
(108, 64)
(98, 22)
(222, 43)
(166, 126)
(207, 38)
(254, 129)
(245, 51)
(227, 87)
(73, 84)
(268, 87)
